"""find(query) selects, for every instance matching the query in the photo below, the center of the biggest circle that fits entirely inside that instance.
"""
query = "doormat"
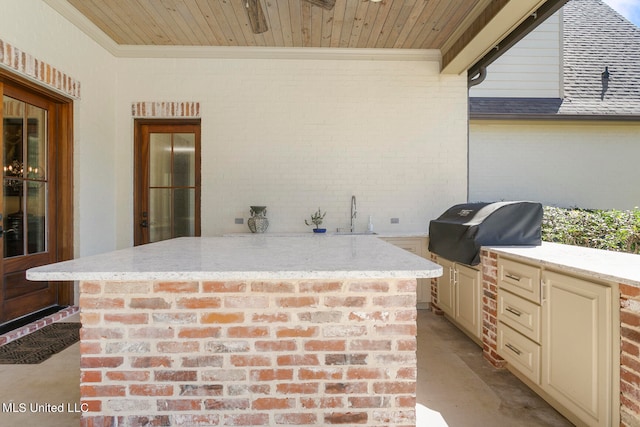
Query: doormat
(40, 345)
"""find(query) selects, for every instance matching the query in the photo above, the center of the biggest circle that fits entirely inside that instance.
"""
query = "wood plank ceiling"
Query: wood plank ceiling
(407, 24)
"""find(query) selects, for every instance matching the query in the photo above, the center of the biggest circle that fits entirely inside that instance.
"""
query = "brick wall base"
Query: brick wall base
(249, 353)
(434, 291)
(629, 356)
(489, 265)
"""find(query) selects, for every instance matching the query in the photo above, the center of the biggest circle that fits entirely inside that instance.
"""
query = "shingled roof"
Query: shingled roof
(601, 66)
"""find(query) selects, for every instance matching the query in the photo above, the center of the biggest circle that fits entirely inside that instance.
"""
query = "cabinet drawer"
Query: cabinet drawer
(520, 352)
(520, 279)
(520, 314)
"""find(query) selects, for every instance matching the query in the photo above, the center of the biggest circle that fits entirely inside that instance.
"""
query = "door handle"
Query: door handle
(144, 223)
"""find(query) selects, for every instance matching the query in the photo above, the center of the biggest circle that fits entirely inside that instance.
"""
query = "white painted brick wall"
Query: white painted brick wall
(296, 135)
(290, 134)
(588, 165)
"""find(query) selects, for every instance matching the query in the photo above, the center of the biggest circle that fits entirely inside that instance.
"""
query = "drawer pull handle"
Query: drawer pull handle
(512, 277)
(513, 311)
(512, 348)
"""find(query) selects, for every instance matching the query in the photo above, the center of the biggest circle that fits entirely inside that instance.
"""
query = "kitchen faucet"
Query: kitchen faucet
(353, 210)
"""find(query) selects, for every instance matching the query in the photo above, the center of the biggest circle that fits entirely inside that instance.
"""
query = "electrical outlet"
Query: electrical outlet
(395, 220)
(239, 220)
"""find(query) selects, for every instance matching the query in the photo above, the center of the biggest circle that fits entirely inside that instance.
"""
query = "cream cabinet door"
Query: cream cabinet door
(418, 246)
(467, 303)
(446, 288)
(577, 346)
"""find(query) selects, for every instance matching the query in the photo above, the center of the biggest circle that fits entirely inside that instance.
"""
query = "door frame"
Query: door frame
(141, 168)
(63, 177)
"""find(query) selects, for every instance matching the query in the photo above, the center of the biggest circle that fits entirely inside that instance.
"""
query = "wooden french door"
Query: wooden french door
(167, 180)
(31, 204)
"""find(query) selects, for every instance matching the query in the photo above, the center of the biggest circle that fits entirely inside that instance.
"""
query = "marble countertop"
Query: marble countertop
(600, 264)
(259, 256)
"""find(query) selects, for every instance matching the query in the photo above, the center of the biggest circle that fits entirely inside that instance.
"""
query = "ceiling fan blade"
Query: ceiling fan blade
(256, 16)
(326, 4)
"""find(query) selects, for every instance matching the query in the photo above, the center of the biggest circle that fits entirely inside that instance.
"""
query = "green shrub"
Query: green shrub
(612, 230)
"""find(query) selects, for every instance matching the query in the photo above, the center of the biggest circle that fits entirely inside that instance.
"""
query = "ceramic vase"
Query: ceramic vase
(258, 223)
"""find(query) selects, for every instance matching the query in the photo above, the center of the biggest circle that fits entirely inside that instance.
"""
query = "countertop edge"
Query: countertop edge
(610, 266)
(258, 257)
(258, 275)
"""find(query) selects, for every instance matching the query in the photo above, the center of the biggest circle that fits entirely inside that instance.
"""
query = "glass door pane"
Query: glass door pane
(184, 158)
(184, 210)
(160, 214)
(160, 159)
(36, 214)
(172, 190)
(24, 178)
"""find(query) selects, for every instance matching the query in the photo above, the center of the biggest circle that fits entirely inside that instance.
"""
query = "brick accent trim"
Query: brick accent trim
(434, 291)
(629, 355)
(489, 263)
(38, 324)
(165, 109)
(28, 66)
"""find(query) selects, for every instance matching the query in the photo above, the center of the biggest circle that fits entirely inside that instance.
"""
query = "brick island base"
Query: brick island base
(238, 353)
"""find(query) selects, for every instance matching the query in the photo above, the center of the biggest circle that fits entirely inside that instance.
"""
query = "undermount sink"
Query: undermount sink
(355, 233)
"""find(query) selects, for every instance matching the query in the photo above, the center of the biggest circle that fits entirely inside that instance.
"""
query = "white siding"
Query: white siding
(578, 164)
(296, 135)
(530, 69)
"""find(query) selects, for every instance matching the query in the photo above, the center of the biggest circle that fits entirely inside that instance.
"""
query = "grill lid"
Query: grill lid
(460, 232)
